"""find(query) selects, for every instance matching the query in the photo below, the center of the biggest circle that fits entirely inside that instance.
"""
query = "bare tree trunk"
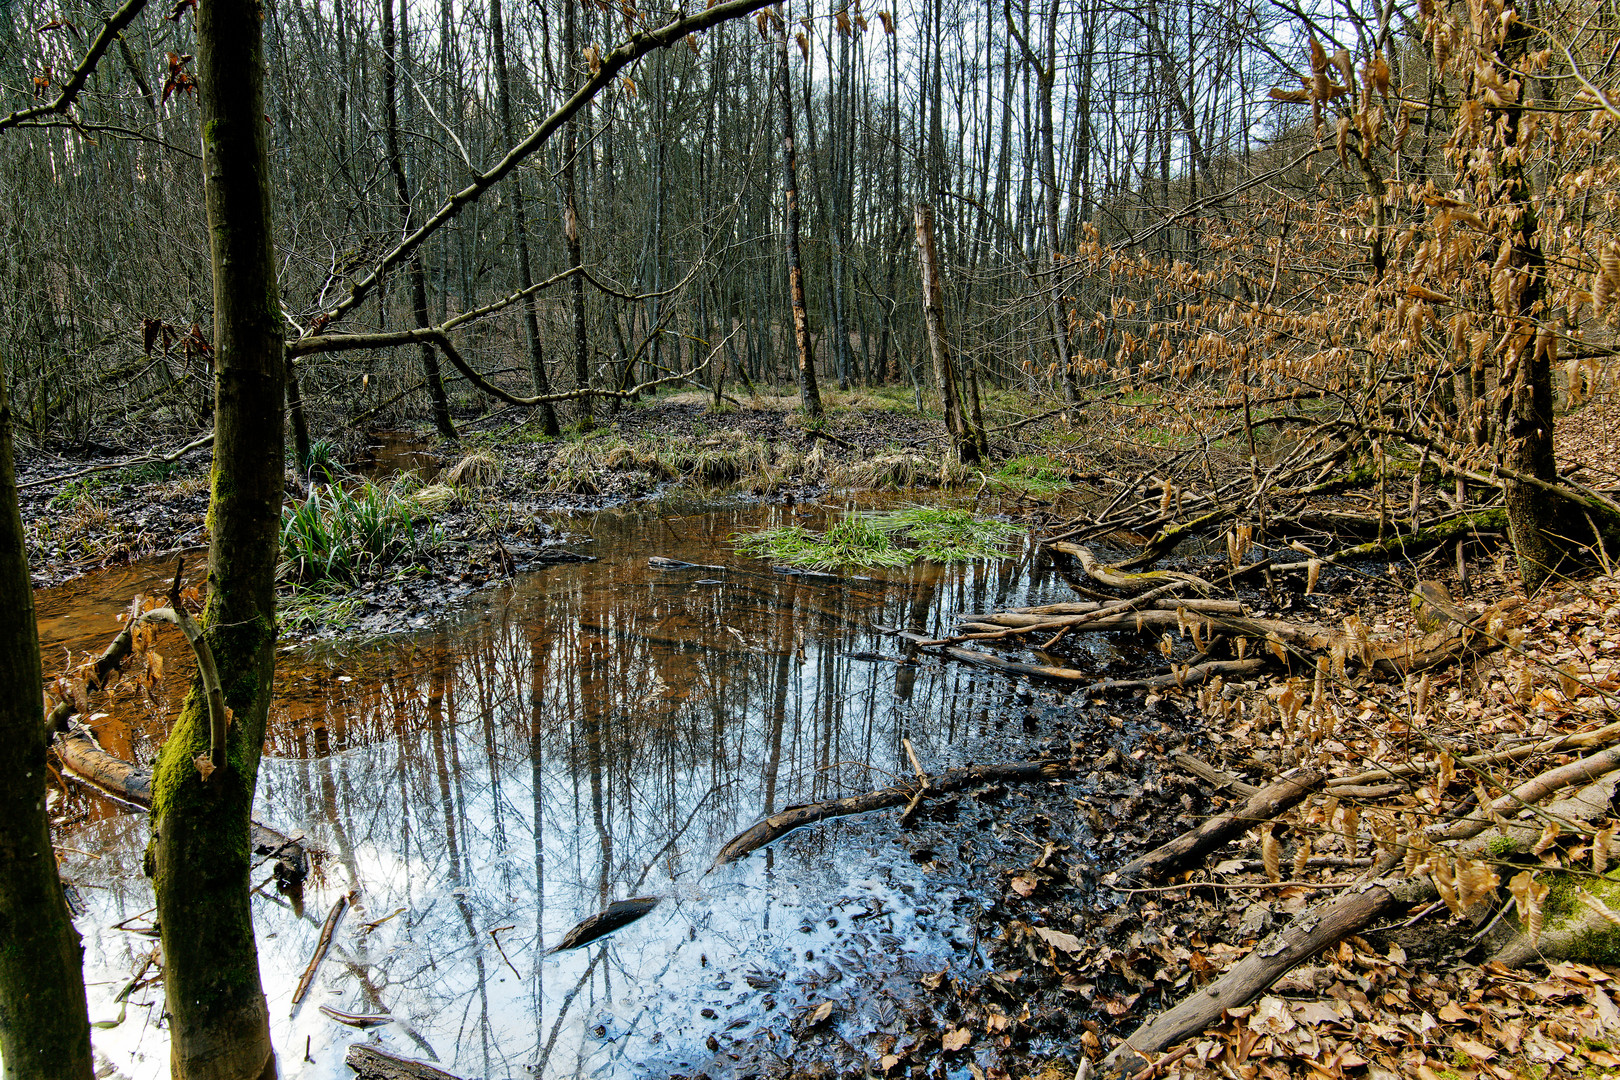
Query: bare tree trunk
(520, 224)
(576, 284)
(809, 394)
(963, 436)
(1045, 75)
(200, 848)
(402, 191)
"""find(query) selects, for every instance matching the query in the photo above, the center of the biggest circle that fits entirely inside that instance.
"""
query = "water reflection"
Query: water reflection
(590, 733)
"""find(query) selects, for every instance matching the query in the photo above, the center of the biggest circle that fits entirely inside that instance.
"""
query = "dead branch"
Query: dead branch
(785, 821)
(1189, 847)
(322, 944)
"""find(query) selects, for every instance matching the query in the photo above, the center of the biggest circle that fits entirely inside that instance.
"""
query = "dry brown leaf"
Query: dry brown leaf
(1058, 939)
(1598, 906)
(1601, 841)
(956, 1040)
(1271, 853)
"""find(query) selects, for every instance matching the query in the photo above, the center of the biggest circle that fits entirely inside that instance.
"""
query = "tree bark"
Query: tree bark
(199, 856)
(1548, 531)
(402, 191)
(44, 1028)
(963, 438)
(520, 225)
(571, 224)
(809, 394)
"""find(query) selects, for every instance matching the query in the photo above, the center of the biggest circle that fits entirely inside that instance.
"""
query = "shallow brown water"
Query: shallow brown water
(588, 733)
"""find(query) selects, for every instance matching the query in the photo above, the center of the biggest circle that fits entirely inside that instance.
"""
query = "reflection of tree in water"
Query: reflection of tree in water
(597, 732)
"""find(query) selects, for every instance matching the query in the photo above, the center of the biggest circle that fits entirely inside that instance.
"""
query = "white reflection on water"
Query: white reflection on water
(595, 732)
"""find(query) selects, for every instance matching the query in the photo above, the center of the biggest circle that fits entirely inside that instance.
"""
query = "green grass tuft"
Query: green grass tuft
(869, 541)
(338, 536)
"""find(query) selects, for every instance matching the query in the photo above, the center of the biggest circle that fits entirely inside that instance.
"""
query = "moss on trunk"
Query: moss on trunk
(199, 858)
(44, 1029)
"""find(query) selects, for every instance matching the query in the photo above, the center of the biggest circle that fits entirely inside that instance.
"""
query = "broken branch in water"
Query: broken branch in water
(90, 764)
(618, 914)
(373, 1063)
(321, 946)
(785, 821)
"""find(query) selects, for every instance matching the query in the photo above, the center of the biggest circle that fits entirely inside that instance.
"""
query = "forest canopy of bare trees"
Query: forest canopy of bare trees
(1398, 215)
(1020, 123)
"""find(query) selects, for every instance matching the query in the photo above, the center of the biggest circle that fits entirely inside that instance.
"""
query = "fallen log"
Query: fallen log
(1205, 771)
(1327, 922)
(1013, 667)
(374, 1063)
(1400, 657)
(1086, 607)
(1194, 844)
(1050, 619)
(132, 784)
(785, 821)
(1321, 925)
(1581, 739)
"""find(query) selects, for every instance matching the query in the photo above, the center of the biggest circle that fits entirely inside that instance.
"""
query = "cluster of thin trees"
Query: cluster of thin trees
(662, 199)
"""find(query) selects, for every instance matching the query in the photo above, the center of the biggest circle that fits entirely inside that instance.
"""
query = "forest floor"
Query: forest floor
(1077, 961)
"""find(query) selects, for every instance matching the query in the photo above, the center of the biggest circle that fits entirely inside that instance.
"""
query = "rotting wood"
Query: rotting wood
(1190, 846)
(1205, 771)
(132, 784)
(375, 1063)
(1323, 924)
(321, 946)
(785, 821)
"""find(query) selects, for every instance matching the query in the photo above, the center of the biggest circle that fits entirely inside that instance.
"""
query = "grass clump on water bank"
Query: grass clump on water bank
(872, 540)
(337, 536)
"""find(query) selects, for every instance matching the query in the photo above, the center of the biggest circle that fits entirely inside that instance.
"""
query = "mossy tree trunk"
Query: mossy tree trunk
(200, 851)
(44, 1030)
